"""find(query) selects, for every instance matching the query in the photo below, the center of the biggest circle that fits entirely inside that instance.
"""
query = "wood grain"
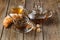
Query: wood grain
(51, 27)
(3, 8)
(11, 34)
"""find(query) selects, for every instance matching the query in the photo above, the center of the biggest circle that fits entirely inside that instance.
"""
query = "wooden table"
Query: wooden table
(51, 28)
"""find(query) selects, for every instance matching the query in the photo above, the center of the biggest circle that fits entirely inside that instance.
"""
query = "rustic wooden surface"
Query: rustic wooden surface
(51, 27)
(3, 8)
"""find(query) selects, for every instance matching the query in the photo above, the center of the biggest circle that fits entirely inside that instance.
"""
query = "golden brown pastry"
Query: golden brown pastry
(8, 20)
(16, 14)
(38, 30)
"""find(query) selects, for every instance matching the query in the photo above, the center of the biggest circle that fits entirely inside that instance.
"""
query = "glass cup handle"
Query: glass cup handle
(29, 30)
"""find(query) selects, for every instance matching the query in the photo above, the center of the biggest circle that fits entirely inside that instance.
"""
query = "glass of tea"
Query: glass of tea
(39, 14)
(23, 23)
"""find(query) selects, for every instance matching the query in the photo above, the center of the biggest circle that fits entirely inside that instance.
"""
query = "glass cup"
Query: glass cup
(23, 23)
(40, 14)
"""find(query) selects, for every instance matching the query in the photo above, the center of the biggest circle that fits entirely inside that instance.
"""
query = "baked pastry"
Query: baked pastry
(9, 19)
(15, 13)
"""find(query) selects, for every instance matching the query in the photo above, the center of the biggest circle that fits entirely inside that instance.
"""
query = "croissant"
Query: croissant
(8, 20)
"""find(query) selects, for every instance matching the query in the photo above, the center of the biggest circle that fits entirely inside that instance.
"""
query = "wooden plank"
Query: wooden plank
(10, 34)
(51, 27)
(32, 35)
(3, 8)
(29, 6)
(58, 4)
